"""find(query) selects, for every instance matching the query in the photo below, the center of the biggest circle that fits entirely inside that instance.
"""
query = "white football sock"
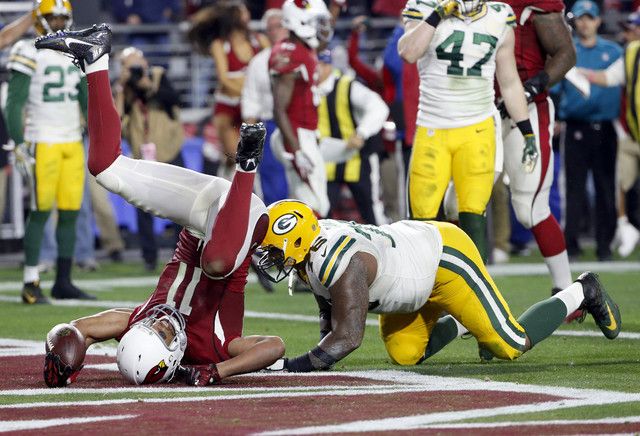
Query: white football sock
(559, 268)
(99, 65)
(572, 297)
(31, 274)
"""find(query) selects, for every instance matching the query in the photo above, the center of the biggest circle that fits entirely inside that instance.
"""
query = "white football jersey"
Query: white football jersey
(52, 110)
(407, 252)
(457, 70)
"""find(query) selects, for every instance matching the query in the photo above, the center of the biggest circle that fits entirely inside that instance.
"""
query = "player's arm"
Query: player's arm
(282, 86)
(419, 29)
(17, 95)
(324, 315)
(222, 68)
(10, 33)
(83, 95)
(103, 326)
(350, 303)
(554, 36)
(508, 79)
(371, 112)
(613, 75)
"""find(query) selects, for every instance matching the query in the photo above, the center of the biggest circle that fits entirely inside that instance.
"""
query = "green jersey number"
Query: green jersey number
(56, 75)
(451, 50)
(366, 230)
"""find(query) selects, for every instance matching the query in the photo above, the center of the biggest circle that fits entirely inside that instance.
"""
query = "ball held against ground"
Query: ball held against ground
(68, 343)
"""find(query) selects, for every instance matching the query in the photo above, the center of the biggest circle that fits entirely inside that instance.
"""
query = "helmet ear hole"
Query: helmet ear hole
(298, 242)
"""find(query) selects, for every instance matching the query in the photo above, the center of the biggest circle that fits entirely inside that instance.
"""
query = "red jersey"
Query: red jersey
(294, 57)
(530, 55)
(213, 310)
(235, 64)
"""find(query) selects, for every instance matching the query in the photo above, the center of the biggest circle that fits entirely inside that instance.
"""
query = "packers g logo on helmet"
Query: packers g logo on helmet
(293, 229)
(42, 8)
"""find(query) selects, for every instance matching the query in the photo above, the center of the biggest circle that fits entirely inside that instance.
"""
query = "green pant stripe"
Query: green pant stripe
(505, 313)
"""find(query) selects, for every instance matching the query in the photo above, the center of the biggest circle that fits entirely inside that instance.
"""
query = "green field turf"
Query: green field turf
(563, 361)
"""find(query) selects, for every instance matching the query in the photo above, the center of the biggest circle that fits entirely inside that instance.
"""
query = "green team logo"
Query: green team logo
(284, 224)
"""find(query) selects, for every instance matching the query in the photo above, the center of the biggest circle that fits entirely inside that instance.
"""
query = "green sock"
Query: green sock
(542, 319)
(66, 232)
(445, 331)
(33, 236)
(476, 227)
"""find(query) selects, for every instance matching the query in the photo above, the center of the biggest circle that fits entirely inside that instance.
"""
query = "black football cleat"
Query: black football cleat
(65, 290)
(32, 294)
(86, 45)
(251, 145)
(600, 305)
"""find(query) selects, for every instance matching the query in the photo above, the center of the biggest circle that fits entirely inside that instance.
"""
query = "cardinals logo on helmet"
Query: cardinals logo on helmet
(156, 373)
(302, 4)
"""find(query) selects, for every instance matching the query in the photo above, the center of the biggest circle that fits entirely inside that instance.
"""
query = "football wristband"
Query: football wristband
(434, 19)
(525, 127)
(303, 363)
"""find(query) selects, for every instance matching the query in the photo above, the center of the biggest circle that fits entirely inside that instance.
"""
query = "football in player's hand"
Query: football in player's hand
(66, 341)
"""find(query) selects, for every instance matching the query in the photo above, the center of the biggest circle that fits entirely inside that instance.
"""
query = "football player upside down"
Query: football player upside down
(193, 320)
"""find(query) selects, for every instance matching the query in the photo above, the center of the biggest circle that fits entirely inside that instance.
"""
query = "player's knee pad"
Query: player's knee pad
(404, 349)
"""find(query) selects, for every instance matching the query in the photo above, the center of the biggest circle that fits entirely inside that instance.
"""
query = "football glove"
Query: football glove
(535, 85)
(444, 8)
(23, 158)
(530, 153)
(200, 375)
(57, 374)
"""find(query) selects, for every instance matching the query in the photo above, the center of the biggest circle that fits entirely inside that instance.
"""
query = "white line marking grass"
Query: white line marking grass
(46, 423)
(604, 421)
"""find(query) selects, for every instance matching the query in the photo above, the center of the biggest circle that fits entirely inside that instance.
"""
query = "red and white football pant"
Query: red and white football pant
(313, 191)
(530, 191)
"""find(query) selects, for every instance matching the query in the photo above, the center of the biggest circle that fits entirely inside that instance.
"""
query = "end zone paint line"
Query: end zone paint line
(6, 426)
(471, 425)
(422, 421)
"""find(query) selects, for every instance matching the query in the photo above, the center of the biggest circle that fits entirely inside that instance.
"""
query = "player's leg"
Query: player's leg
(366, 191)
(579, 155)
(42, 186)
(473, 175)
(530, 192)
(239, 222)
(429, 173)
(69, 199)
(406, 335)
(604, 174)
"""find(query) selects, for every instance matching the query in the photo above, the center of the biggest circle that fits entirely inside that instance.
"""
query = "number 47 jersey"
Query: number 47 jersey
(407, 254)
(457, 70)
(52, 110)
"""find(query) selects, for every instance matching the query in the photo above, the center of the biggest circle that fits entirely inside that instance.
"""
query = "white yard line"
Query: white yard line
(470, 425)
(46, 423)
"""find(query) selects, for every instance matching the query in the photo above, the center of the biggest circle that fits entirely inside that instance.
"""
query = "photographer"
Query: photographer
(148, 106)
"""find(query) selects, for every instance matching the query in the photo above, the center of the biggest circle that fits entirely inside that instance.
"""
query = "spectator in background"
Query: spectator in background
(257, 105)
(354, 115)
(149, 107)
(590, 138)
(136, 12)
(222, 31)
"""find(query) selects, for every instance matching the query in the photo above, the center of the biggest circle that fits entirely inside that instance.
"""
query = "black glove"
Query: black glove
(57, 374)
(535, 85)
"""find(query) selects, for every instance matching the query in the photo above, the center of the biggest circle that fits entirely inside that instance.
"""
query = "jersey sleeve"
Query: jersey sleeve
(331, 261)
(287, 58)
(23, 57)
(417, 10)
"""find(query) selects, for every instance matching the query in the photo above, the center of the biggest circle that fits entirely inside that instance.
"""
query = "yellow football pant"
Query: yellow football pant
(465, 153)
(464, 289)
(59, 176)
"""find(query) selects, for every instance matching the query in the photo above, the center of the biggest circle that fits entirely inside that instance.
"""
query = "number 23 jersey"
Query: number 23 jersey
(52, 110)
(407, 255)
(457, 70)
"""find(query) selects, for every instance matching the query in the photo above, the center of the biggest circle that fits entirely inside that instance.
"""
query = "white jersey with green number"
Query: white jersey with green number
(457, 70)
(407, 255)
(52, 109)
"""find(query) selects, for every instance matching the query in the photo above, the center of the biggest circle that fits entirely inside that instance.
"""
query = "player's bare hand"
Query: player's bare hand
(530, 153)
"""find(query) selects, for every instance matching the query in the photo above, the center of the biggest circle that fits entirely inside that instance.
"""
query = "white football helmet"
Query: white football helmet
(152, 349)
(309, 20)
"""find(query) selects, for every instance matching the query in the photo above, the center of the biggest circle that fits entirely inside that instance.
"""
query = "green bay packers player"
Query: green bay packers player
(51, 92)
(409, 272)
(459, 47)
